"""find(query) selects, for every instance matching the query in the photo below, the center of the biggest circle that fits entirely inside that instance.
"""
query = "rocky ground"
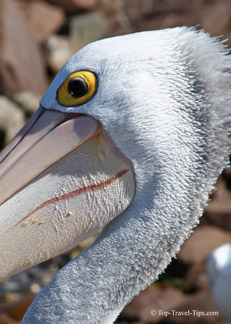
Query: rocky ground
(36, 39)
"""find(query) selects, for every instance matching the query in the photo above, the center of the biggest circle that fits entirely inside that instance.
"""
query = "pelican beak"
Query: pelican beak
(34, 149)
(54, 176)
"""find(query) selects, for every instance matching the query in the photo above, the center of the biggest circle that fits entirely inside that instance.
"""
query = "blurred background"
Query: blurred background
(36, 38)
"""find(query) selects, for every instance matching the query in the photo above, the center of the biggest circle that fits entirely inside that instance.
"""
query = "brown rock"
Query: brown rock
(196, 308)
(21, 65)
(88, 27)
(5, 319)
(151, 305)
(170, 6)
(108, 6)
(74, 6)
(136, 15)
(202, 242)
(17, 309)
(12, 119)
(141, 12)
(196, 278)
(58, 50)
(218, 211)
(27, 101)
(216, 17)
(43, 18)
(170, 306)
(114, 13)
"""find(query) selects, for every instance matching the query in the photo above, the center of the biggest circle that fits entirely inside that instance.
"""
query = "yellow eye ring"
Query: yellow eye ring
(78, 88)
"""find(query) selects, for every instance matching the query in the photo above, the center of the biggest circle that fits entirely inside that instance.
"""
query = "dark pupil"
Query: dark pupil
(77, 87)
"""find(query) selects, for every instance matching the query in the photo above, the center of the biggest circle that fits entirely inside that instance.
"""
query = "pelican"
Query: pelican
(219, 273)
(129, 138)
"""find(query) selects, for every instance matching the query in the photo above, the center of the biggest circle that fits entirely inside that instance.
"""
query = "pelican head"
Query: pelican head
(130, 137)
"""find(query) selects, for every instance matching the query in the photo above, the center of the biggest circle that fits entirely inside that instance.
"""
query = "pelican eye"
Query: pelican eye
(78, 88)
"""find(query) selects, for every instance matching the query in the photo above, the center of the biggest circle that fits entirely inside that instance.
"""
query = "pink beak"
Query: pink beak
(61, 180)
(34, 148)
